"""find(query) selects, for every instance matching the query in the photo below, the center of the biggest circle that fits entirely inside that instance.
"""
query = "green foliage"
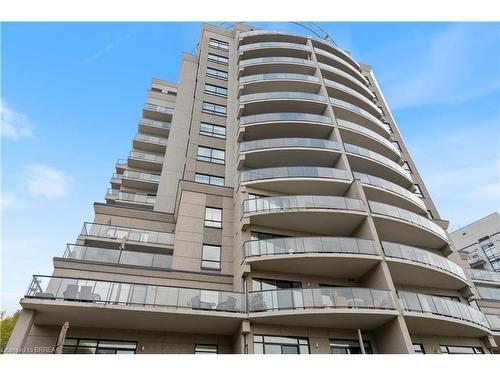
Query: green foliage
(6, 326)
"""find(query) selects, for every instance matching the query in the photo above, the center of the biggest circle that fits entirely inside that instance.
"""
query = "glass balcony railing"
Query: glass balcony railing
(489, 293)
(289, 142)
(494, 321)
(291, 172)
(425, 303)
(144, 156)
(377, 157)
(483, 275)
(263, 45)
(150, 139)
(277, 60)
(384, 184)
(415, 254)
(127, 234)
(360, 111)
(399, 213)
(306, 245)
(279, 76)
(354, 93)
(347, 76)
(285, 117)
(319, 298)
(130, 197)
(281, 95)
(293, 202)
(156, 124)
(131, 294)
(369, 133)
(158, 108)
(113, 256)
(141, 176)
(351, 68)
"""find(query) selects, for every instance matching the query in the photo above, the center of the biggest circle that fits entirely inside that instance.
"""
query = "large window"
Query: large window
(210, 257)
(212, 130)
(214, 109)
(212, 155)
(213, 217)
(216, 90)
(218, 59)
(207, 179)
(215, 73)
(280, 345)
(91, 346)
(492, 254)
(449, 349)
(219, 44)
(340, 346)
(205, 349)
(418, 348)
(276, 295)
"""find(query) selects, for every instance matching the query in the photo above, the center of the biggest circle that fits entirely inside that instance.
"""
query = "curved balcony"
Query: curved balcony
(277, 152)
(150, 143)
(342, 307)
(350, 112)
(330, 215)
(380, 190)
(277, 65)
(343, 257)
(342, 92)
(297, 180)
(282, 101)
(89, 254)
(143, 160)
(279, 82)
(350, 134)
(140, 180)
(134, 238)
(426, 314)
(327, 57)
(364, 161)
(271, 49)
(402, 226)
(294, 124)
(96, 303)
(337, 75)
(117, 196)
(413, 266)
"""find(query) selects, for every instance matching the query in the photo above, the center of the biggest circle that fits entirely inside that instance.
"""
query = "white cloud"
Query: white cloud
(10, 201)
(14, 125)
(47, 181)
(438, 69)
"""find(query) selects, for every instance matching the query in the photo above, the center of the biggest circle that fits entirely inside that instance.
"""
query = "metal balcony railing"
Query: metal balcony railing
(113, 256)
(132, 294)
(306, 245)
(425, 303)
(127, 234)
(293, 202)
(320, 298)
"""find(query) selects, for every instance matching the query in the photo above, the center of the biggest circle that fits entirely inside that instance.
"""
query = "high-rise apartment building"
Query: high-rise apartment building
(268, 205)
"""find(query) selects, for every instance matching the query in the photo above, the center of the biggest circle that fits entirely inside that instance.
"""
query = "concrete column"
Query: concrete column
(21, 331)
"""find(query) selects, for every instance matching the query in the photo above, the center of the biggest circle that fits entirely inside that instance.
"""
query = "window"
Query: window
(216, 90)
(210, 257)
(448, 349)
(211, 155)
(218, 59)
(212, 130)
(207, 179)
(406, 167)
(213, 217)
(396, 143)
(263, 236)
(217, 74)
(418, 192)
(156, 89)
(280, 345)
(338, 346)
(219, 44)
(418, 348)
(93, 346)
(205, 349)
(214, 109)
(276, 294)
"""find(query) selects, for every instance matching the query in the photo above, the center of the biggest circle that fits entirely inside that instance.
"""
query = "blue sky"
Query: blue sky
(72, 94)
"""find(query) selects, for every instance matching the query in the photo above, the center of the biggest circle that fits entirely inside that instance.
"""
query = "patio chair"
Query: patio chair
(71, 292)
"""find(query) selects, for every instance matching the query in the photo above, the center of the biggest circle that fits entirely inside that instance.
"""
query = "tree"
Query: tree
(6, 327)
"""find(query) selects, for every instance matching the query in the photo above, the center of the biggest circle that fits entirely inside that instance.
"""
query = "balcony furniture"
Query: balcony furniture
(229, 305)
(71, 292)
(85, 293)
(196, 303)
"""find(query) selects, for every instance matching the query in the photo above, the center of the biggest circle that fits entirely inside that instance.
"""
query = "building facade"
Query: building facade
(268, 205)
